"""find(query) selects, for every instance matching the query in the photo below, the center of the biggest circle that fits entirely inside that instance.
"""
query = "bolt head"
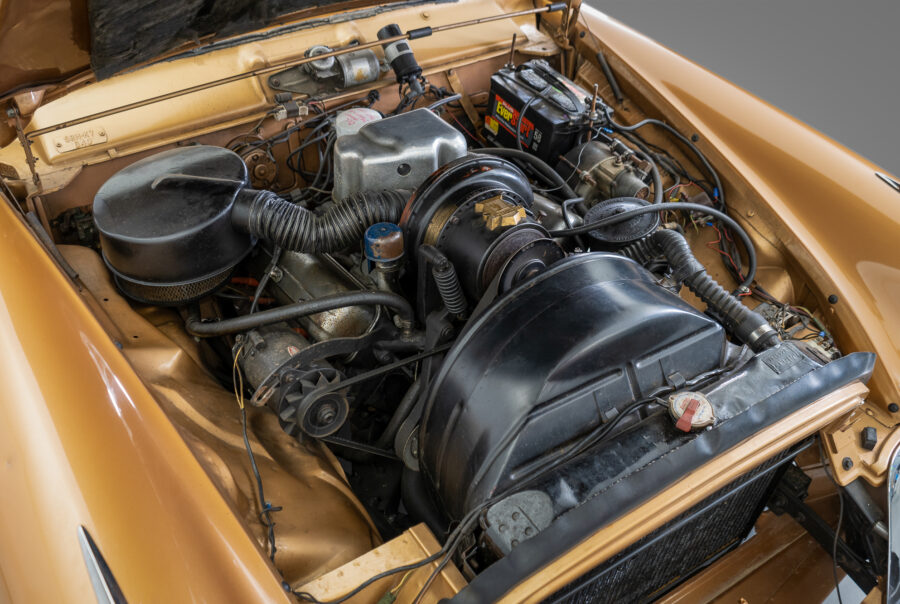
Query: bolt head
(893, 407)
(325, 415)
(833, 299)
(847, 463)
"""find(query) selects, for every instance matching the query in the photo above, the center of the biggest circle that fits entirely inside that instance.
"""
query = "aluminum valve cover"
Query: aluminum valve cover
(398, 152)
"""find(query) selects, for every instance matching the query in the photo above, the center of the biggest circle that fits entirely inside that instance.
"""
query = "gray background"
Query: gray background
(832, 64)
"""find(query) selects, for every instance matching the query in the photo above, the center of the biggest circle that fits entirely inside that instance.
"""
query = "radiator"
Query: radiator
(657, 563)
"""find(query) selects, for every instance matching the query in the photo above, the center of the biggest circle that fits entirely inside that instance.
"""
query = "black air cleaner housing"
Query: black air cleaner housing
(165, 224)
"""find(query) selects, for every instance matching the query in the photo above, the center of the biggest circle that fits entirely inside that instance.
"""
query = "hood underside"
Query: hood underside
(44, 42)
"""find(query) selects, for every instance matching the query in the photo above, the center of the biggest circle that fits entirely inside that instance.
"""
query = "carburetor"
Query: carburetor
(599, 170)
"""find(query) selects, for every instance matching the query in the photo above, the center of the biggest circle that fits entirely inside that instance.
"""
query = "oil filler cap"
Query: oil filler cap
(691, 411)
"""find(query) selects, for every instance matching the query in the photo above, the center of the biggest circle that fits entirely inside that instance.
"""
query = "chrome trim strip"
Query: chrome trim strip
(105, 587)
(890, 181)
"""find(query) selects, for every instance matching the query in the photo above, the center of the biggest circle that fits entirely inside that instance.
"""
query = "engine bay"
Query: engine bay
(502, 314)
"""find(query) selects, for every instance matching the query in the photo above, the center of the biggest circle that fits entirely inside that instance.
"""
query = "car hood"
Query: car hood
(44, 43)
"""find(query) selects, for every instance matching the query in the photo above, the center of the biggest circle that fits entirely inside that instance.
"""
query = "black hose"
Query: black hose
(610, 77)
(265, 215)
(642, 251)
(304, 308)
(416, 499)
(684, 207)
(679, 136)
(444, 101)
(537, 163)
(746, 325)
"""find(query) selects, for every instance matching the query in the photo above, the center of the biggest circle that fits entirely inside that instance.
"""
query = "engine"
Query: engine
(496, 332)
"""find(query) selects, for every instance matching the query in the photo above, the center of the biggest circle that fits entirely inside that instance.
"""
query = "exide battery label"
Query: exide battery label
(509, 119)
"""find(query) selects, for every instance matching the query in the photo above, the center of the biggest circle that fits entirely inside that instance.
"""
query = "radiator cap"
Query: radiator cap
(691, 411)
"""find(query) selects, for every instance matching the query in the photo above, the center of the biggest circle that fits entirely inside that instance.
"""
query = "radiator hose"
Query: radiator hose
(746, 325)
(265, 215)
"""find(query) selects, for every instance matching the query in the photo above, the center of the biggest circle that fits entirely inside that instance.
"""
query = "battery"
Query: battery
(553, 120)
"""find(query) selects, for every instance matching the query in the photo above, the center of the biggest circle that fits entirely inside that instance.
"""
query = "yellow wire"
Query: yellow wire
(397, 589)
(239, 382)
(818, 323)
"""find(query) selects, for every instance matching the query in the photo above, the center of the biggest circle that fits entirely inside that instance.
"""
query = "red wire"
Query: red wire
(458, 123)
(711, 245)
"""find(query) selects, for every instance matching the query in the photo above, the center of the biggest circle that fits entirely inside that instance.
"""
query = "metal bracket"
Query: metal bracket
(788, 498)
(13, 114)
(457, 86)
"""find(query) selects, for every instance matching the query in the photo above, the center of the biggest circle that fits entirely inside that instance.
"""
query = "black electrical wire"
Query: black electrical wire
(444, 101)
(837, 530)
(285, 134)
(276, 256)
(267, 508)
(592, 438)
(453, 540)
(669, 163)
(542, 167)
(375, 578)
(686, 141)
(676, 169)
(684, 207)
(595, 436)
(455, 537)
(522, 113)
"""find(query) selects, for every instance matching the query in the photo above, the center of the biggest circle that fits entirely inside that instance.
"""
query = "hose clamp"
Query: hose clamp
(758, 333)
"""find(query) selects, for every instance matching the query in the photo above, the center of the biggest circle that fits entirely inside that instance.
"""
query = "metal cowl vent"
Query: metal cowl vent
(165, 224)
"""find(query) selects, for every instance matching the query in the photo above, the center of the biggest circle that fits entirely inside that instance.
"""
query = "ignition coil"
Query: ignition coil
(401, 58)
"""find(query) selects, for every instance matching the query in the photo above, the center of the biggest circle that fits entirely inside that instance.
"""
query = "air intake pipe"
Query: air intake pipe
(747, 325)
(265, 215)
